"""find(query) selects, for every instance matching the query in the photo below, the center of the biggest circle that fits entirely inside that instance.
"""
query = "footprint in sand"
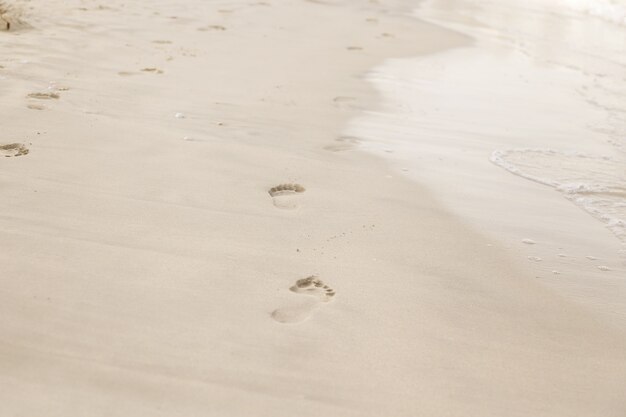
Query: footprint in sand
(153, 70)
(211, 27)
(313, 286)
(346, 103)
(44, 96)
(13, 149)
(284, 196)
(344, 143)
(320, 2)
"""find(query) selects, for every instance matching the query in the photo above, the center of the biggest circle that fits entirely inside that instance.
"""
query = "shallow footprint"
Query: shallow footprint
(13, 149)
(344, 143)
(44, 96)
(212, 27)
(312, 286)
(294, 313)
(346, 103)
(152, 69)
(284, 195)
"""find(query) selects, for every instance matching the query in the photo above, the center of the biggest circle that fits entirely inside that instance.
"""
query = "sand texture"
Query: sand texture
(186, 231)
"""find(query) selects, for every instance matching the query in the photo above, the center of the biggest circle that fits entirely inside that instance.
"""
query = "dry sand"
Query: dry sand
(147, 270)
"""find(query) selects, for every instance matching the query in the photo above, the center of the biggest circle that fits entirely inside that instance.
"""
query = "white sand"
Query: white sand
(141, 270)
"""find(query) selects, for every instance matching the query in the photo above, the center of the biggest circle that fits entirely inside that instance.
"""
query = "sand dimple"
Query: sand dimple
(4, 22)
(283, 195)
(13, 149)
(312, 286)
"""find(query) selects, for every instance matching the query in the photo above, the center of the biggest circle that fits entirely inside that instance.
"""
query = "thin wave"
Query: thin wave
(595, 183)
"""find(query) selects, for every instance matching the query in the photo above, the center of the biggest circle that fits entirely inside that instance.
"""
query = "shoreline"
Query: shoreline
(145, 266)
(440, 140)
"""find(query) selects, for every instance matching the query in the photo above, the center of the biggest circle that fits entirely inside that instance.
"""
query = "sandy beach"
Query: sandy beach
(207, 209)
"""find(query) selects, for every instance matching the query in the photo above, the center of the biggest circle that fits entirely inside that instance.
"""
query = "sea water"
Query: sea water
(587, 39)
(613, 11)
(520, 130)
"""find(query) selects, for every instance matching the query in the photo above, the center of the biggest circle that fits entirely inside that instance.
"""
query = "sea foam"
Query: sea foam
(594, 183)
(613, 11)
